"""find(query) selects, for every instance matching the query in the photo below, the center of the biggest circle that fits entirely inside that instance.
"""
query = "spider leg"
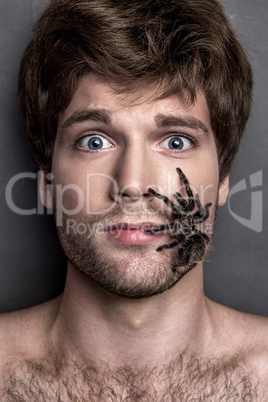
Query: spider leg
(200, 212)
(201, 217)
(182, 201)
(206, 214)
(186, 251)
(165, 199)
(157, 229)
(187, 206)
(187, 189)
(170, 245)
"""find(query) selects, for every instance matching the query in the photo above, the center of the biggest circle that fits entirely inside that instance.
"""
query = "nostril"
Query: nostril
(148, 195)
(131, 192)
(127, 197)
(132, 196)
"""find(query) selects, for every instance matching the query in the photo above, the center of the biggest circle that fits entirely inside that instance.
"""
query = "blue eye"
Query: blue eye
(94, 142)
(177, 143)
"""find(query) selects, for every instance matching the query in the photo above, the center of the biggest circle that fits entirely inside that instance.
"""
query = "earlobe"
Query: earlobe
(45, 190)
(223, 191)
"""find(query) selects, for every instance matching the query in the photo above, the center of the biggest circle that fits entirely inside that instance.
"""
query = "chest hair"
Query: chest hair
(186, 379)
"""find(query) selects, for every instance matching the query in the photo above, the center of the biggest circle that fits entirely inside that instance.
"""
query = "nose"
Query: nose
(134, 174)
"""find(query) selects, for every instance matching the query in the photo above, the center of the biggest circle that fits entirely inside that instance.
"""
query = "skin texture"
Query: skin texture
(136, 156)
(127, 327)
(182, 228)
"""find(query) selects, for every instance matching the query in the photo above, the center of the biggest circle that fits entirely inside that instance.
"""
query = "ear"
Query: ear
(223, 191)
(45, 189)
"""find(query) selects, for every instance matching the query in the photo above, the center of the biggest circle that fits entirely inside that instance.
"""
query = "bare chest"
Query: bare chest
(182, 380)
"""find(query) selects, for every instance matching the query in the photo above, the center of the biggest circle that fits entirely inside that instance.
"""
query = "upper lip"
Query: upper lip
(132, 226)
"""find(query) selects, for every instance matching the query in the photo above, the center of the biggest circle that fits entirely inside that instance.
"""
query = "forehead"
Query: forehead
(94, 92)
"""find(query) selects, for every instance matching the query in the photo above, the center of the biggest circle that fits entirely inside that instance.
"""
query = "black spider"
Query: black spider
(189, 213)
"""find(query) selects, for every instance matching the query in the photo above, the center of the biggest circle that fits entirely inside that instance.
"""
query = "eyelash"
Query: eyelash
(193, 142)
(89, 136)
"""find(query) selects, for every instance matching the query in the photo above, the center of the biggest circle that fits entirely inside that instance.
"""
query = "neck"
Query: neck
(100, 327)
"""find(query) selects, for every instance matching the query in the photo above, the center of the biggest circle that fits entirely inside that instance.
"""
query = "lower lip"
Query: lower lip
(132, 236)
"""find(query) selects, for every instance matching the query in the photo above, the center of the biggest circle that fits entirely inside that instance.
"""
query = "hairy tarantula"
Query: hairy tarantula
(189, 213)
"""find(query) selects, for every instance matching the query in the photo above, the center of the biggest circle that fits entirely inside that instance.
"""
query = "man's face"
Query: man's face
(110, 148)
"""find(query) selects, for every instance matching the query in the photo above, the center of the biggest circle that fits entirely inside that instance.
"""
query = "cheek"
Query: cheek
(69, 198)
(207, 176)
(208, 192)
(77, 193)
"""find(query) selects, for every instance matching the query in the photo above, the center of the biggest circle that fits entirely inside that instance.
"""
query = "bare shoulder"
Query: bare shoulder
(23, 333)
(243, 334)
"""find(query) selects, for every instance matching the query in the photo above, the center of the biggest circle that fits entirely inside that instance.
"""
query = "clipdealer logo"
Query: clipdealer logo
(248, 187)
(254, 191)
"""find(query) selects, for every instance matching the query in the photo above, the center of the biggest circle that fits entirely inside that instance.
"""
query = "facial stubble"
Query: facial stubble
(128, 271)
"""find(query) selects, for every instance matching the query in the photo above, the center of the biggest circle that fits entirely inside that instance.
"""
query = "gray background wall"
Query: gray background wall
(32, 265)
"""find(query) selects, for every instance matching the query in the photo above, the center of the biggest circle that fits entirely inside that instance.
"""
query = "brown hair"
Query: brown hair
(132, 43)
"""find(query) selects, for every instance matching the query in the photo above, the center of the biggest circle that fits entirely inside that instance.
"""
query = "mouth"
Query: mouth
(133, 233)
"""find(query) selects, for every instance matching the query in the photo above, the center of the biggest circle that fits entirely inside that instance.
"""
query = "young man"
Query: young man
(135, 111)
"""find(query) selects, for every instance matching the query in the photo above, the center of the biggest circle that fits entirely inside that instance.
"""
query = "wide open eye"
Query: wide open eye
(94, 142)
(177, 143)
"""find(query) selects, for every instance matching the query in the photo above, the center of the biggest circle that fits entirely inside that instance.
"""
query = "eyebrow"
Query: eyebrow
(163, 120)
(98, 115)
